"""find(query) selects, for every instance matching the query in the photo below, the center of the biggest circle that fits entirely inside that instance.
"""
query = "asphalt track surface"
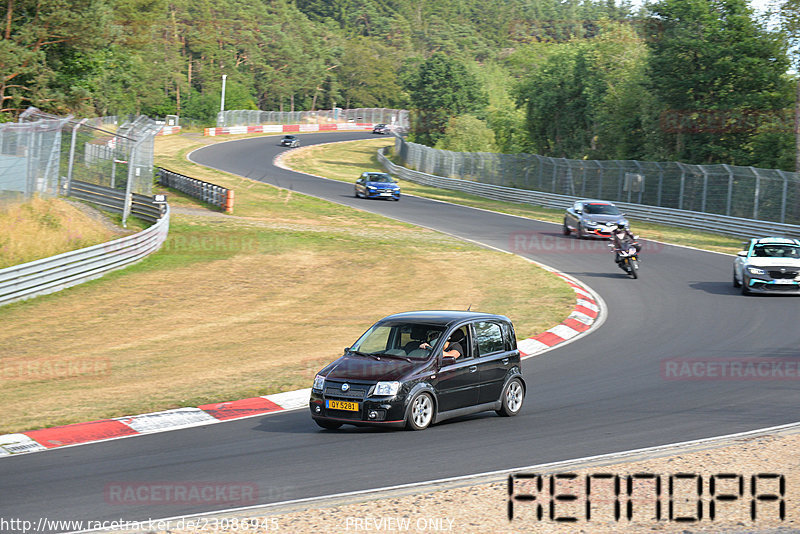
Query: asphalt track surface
(604, 393)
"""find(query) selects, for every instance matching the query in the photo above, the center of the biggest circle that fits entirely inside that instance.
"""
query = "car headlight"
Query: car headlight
(756, 270)
(319, 382)
(370, 187)
(386, 388)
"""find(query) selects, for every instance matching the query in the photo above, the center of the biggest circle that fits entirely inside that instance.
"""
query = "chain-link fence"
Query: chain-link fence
(747, 192)
(42, 154)
(30, 152)
(394, 117)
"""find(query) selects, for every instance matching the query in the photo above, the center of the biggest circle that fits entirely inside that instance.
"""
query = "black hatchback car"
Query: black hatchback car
(414, 369)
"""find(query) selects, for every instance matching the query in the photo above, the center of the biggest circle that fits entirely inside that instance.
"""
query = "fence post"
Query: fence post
(705, 188)
(71, 164)
(783, 196)
(757, 192)
(683, 182)
(729, 200)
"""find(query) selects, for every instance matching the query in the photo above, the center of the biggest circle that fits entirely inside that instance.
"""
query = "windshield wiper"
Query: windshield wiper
(406, 358)
(365, 354)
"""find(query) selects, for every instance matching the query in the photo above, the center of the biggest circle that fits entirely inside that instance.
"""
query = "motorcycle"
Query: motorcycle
(628, 257)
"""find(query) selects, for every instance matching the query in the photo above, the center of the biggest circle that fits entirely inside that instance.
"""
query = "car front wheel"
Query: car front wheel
(736, 282)
(420, 413)
(513, 396)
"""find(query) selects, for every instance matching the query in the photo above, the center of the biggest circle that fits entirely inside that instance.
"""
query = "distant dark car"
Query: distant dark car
(397, 375)
(381, 129)
(291, 141)
(377, 185)
(592, 218)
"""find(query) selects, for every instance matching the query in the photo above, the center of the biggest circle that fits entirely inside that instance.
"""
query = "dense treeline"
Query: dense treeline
(701, 81)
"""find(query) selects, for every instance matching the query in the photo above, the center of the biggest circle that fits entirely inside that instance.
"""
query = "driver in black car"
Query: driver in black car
(453, 347)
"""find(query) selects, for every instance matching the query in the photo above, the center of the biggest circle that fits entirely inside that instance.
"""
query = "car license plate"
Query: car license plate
(784, 281)
(386, 194)
(343, 405)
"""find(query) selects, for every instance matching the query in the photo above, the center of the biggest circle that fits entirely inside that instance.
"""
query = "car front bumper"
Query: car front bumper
(767, 285)
(383, 194)
(372, 411)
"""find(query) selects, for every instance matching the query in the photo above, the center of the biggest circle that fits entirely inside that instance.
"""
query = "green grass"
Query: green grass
(330, 160)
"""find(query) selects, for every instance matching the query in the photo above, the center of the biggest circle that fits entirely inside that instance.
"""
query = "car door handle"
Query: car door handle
(473, 368)
(505, 361)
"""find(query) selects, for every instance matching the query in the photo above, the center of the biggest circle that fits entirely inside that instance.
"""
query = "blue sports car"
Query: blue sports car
(377, 185)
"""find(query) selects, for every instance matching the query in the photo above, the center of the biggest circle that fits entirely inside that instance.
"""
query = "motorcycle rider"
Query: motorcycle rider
(622, 237)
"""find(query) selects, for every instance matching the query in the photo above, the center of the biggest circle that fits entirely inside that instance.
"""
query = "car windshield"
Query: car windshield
(600, 209)
(777, 251)
(380, 178)
(399, 339)
(288, 137)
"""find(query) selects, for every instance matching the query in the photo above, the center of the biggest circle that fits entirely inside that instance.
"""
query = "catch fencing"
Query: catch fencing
(395, 117)
(42, 154)
(727, 190)
(735, 226)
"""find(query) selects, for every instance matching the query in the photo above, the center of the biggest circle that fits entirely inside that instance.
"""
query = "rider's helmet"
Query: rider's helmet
(621, 225)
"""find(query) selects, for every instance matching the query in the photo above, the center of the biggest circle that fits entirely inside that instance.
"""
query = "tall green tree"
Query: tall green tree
(46, 47)
(442, 88)
(714, 60)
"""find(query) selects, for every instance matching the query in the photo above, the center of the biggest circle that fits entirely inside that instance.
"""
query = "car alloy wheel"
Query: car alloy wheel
(513, 396)
(421, 412)
(736, 282)
(565, 229)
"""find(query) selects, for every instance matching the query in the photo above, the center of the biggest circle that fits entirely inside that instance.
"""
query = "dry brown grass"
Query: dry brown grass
(240, 306)
(40, 228)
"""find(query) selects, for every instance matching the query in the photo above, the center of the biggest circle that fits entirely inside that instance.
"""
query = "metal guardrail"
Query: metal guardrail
(722, 224)
(114, 200)
(55, 273)
(213, 194)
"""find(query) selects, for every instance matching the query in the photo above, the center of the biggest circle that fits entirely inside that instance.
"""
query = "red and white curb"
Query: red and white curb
(290, 128)
(121, 427)
(584, 316)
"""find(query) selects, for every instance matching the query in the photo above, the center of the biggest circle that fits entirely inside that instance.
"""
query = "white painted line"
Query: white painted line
(167, 420)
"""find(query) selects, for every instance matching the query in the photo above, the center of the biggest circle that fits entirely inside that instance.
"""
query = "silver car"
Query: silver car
(768, 265)
(592, 218)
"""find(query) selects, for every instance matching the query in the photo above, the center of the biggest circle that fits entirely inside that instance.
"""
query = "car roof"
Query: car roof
(776, 241)
(285, 136)
(443, 317)
(591, 201)
(377, 174)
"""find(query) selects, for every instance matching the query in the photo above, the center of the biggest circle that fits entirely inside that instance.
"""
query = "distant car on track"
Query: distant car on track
(292, 141)
(381, 129)
(397, 373)
(377, 185)
(592, 218)
(768, 265)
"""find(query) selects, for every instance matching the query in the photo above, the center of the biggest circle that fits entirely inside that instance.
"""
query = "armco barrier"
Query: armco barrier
(114, 200)
(722, 224)
(49, 275)
(207, 192)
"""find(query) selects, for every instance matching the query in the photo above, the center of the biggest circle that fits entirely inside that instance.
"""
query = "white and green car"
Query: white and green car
(768, 265)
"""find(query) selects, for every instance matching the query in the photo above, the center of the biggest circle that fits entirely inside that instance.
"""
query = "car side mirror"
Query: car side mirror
(448, 360)
(346, 350)
(578, 211)
(742, 253)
